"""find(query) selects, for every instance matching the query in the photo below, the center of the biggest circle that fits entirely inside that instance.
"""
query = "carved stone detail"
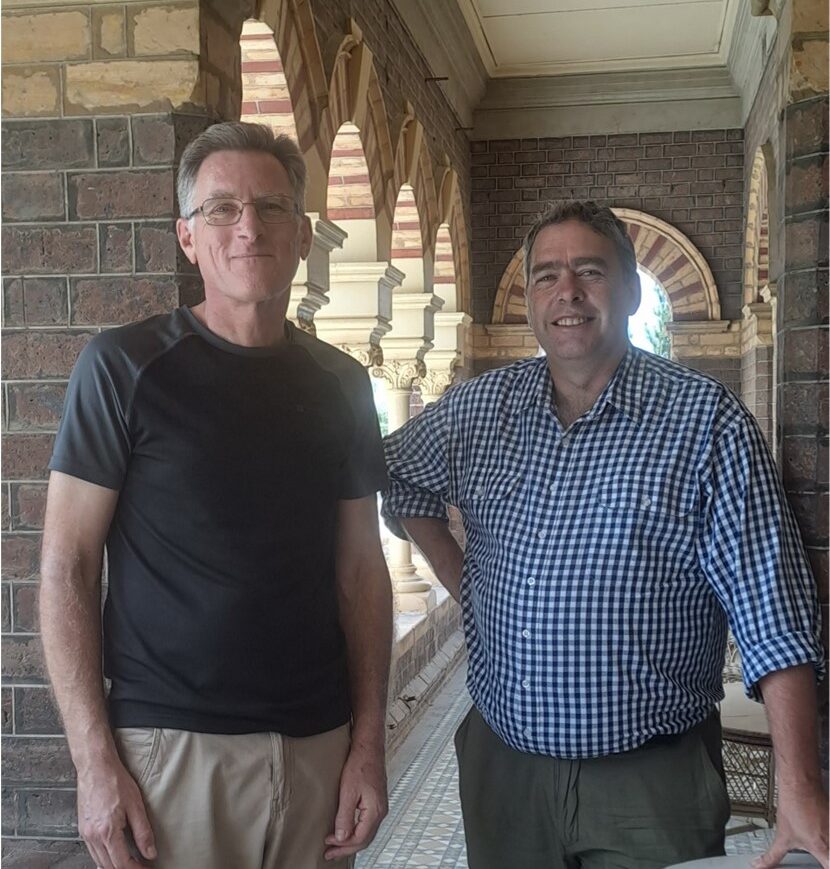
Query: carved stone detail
(370, 356)
(401, 373)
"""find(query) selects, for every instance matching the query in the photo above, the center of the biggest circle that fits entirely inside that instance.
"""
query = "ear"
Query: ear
(185, 234)
(306, 236)
(635, 291)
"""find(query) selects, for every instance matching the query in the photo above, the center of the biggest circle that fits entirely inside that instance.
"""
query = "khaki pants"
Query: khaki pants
(661, 804)
(249, 801)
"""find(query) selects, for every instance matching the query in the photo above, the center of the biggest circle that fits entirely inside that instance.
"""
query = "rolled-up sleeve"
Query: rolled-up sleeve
(418, 462)
(754, 559)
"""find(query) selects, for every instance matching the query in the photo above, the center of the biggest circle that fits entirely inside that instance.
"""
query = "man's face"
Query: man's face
(250, 261)
(578, 300)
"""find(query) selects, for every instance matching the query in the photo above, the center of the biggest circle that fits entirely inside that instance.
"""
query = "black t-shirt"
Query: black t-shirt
(222, 612)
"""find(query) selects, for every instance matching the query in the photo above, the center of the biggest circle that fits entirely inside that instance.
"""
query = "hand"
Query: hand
(362, 793)
(109, 802)
(801, 823)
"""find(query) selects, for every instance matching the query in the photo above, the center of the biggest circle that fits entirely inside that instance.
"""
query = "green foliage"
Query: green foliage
(658, 335)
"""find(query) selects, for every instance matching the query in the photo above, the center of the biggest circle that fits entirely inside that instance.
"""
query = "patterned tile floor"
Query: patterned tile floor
(424, 827)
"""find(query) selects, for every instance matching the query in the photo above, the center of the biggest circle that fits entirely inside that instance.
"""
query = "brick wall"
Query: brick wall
(693, 180)
(98, 104)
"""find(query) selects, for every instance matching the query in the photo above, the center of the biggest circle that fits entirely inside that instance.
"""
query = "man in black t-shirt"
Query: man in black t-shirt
(229, 463)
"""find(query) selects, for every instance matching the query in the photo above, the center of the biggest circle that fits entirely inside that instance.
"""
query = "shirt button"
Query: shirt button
(552, 488)
(527, 732)
(531, 580)
(525, 683)
(542, 535)
(526, 633)
(646, 502)
(479, 491)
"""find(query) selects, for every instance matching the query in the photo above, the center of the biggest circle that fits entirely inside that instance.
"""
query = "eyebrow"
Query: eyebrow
(578, 261)
(224, 194)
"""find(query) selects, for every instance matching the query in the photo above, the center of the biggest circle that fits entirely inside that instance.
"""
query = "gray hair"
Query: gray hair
(239, 136)
(598, 217)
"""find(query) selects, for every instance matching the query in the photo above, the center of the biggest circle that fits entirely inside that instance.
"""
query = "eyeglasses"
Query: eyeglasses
(227, 210)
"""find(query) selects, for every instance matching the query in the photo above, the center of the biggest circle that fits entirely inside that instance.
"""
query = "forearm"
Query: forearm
(790, 700)
(70, 618)
(441, 550)
(366, 620)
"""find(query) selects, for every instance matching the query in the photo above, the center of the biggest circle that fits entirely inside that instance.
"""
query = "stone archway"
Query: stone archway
(758, 344)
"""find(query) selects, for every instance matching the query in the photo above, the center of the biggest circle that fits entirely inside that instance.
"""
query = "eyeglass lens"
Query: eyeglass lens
(224, 210)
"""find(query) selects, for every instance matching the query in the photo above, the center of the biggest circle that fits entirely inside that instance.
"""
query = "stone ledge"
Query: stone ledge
(407, 704)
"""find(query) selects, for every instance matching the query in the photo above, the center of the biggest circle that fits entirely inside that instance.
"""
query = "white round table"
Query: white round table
(744, 861)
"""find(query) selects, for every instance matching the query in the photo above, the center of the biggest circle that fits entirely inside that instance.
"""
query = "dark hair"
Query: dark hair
(600, 218)
(239, 136)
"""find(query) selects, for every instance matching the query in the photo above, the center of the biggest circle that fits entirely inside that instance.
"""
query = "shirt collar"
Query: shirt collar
(624, 391)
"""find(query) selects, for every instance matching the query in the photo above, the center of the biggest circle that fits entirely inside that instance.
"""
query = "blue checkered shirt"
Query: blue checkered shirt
(601, 562)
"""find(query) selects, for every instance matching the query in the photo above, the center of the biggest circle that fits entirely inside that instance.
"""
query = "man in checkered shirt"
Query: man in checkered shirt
(618, 509)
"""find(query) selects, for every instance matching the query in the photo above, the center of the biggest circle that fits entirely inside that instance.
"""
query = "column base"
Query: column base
(415, 601)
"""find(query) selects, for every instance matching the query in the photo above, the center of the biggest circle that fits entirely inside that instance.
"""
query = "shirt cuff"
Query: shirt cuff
(411, 504)
(779, 653)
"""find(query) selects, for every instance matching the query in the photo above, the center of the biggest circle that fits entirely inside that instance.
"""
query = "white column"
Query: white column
(412, 592)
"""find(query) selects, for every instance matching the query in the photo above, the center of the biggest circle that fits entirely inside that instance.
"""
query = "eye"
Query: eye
(589, 273)
(219, 209)
(274, 208)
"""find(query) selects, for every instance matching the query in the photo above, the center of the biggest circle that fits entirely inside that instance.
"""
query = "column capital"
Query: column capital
(369, 355)
(437, 380)
(400, 373)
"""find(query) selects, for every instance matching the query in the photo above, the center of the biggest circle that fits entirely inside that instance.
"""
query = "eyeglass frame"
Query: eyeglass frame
(297, 211)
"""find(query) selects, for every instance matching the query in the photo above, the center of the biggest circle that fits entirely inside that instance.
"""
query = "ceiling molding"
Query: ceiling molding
(749, 50)
(443, 35)
(469, 8)
(608, 89)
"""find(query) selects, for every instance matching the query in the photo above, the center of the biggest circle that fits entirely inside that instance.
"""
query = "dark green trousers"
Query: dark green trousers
(660, 804)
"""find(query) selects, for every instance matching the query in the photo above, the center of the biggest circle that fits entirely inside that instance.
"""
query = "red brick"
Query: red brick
(799, 457)
(98, 301)
(154, 140)
(107, 195)
(23, 659)
(623, 139)
(805, 297)
(36, 712)
(25, 456)
(811, 516)
(36, 759)
(806, 184)
(35, 355)
(28, 505)
(36, 302)
(805, 242)
(113, 136)
(6, 702)
(654, 138)
(47, 812)
(25, 607)
(33, 196)
(806, 128)
(805, 353)
(21, 556)
(116, 246)
(55, 144)
(65, 249)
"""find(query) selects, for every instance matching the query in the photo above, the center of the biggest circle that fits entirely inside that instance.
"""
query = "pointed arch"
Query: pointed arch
(355, 97)
(662, 251)
(757, 235)
(451, 214)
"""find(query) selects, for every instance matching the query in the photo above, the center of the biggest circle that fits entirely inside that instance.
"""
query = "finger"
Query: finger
(344, 819)
(141, 830)
(366, 827)
(774, 855)
(99, 855)
(118, 852)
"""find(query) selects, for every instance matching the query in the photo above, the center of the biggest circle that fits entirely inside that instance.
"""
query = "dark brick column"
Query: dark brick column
(802, 291)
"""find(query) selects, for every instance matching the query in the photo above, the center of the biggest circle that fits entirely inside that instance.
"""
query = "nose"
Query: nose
(250, 224)
(568, 288)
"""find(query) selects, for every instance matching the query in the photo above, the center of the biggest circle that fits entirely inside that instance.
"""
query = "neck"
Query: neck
(576, 388)
(249, 324)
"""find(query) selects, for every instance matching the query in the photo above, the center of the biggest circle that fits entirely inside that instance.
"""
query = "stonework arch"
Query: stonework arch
(292, 25)
(757, 238)
(355, 97)
(266, 98)
(451, 214)
(662, 251)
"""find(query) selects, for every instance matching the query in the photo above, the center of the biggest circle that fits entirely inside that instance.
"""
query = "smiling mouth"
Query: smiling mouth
(572, 321)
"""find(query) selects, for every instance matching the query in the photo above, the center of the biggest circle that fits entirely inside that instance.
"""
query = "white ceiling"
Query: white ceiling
(565, 37)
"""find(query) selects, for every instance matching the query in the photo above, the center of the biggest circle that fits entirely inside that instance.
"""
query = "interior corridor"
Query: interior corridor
(424, 826)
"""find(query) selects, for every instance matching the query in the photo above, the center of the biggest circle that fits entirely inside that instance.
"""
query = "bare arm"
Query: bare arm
(433, 538)
(365, 600)
(78, 516)
(790, 700)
